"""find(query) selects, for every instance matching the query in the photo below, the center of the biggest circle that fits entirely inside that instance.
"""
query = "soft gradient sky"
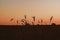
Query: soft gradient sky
(42, 9)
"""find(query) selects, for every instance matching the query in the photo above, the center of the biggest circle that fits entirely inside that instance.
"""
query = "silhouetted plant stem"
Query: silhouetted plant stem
(41, 21)
(51, 19)
(33, 20)
(25, 19)
(17, 22)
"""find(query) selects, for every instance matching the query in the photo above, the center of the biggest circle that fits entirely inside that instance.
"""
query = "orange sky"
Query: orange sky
(42, 9)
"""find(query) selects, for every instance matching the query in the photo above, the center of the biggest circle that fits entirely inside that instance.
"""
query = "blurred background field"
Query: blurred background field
(42, 32)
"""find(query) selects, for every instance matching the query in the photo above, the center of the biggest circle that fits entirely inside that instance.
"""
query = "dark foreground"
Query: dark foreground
(29, 32)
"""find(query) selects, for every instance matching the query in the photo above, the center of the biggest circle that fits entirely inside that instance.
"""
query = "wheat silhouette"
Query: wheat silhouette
(34, 19)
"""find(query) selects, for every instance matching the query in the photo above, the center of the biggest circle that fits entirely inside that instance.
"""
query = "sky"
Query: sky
(42, 9)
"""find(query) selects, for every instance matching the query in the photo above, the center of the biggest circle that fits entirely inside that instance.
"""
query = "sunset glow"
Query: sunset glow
(41, 9)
